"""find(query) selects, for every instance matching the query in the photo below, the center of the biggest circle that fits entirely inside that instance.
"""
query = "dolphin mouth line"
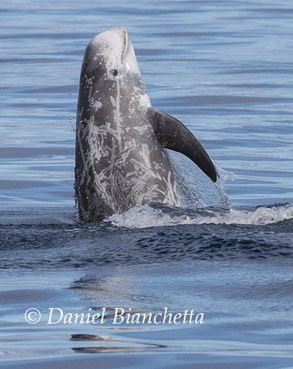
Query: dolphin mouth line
(126, 44)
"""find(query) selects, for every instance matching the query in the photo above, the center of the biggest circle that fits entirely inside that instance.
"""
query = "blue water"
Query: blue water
(223, 68)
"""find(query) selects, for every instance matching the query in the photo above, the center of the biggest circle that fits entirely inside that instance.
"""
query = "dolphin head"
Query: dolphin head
(110, 55)
(109, 64)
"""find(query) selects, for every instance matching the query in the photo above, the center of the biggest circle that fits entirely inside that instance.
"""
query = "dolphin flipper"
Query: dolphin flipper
(173, 135)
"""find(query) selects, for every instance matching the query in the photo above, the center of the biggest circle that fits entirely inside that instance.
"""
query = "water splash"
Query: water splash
(151, 216)
(195, 188)
(202, 202)
(72, 127)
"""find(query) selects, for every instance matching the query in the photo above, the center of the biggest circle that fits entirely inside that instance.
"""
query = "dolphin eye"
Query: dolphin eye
(114, 72)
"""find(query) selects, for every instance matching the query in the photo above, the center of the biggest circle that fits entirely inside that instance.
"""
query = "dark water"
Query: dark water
(223, 68)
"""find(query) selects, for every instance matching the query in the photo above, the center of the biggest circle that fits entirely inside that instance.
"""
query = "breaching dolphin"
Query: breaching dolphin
(121, 159)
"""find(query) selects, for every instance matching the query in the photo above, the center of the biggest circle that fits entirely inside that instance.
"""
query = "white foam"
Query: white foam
(145, 216)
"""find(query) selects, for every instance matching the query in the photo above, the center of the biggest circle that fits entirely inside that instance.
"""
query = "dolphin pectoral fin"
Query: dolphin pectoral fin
(173, 135)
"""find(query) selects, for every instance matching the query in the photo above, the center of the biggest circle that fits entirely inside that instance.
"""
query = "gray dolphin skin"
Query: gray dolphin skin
(121, 159)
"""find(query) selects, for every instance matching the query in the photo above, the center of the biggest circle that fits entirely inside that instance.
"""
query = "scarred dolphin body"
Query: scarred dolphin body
(121, 159)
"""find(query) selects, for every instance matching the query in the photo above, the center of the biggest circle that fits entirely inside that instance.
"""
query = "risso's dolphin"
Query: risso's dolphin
(121, 159)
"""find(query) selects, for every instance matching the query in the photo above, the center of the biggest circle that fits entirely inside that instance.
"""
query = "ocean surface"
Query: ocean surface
(224, 68)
